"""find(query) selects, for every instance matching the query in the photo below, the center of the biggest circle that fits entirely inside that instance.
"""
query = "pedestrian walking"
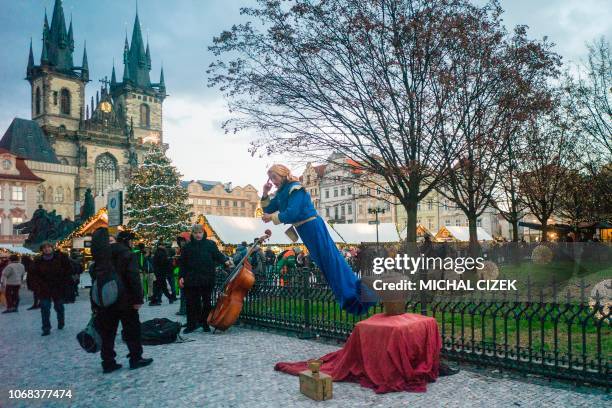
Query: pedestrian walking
(12, 278)
(51, 274)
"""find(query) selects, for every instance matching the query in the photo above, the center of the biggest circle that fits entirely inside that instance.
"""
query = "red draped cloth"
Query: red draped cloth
(384, 353)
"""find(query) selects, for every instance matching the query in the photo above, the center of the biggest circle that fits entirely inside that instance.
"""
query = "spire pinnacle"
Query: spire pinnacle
(30, 59)
(85, 65)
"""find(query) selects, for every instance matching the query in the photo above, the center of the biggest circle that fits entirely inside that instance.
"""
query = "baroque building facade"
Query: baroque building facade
(216, 198)
(75, 146)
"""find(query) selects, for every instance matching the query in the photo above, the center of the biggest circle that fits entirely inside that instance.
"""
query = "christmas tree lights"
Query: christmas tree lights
(156, 203)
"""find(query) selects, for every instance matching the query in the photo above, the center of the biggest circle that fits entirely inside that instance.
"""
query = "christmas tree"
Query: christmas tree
(156, 203)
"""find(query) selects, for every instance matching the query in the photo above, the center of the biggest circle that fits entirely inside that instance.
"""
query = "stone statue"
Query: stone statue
(132, 157)
(88, 209)
(45, 226)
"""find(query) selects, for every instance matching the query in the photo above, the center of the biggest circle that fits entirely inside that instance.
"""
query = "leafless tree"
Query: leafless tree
(347, 76)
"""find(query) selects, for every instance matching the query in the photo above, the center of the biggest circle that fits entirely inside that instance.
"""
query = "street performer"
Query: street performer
(292, 205)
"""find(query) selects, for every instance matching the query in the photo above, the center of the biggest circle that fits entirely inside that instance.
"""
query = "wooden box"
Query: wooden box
(315, 385)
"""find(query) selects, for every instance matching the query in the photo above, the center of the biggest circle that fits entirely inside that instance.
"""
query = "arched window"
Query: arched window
(37, 101)
(106, 172)
(49, 195)
(65, 102)
(59, 195)
(145, 115)
(40, 194)
(64, 160)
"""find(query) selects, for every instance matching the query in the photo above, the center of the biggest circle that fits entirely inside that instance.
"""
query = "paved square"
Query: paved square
(233, 369)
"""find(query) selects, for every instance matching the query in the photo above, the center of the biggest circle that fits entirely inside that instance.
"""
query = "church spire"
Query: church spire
(58, 43)
(85, 65)
(30, 61)
(70, 36)
(137, 58)
(113, 83)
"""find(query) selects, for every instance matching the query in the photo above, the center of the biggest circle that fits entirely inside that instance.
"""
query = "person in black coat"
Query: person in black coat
(125, 309)
(198, 261)
(162, 267)
(51, 273)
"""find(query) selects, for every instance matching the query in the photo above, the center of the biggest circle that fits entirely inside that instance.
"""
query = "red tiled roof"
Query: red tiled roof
(25, 174)
(320, 170)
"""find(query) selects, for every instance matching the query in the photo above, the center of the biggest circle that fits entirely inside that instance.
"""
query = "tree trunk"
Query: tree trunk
(474, 245)
(544, 237)
(515, 237)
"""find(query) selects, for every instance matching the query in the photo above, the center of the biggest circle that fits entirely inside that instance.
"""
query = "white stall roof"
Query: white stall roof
(362, 232)
(463, 233)
(17, 249)
(234, 230)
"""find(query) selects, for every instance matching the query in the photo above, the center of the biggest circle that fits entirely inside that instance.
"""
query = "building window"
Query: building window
(208, 202)
(326, 193)
(349, 190)
(16, 221)
(429, 205)
(457, 222)
(145, 116)
(335, 192)
(106, 172)
(37, 101)
(447, 223)
(6, 164)
(479, 222)
(429, 224)
(242, 204)
(419, 207)
(64, 161)
(327, 212)
(227, 203)
(218, 203)
(349, 209)
(308, 179)
(190, 200)
(342, 211)
(17, 193)
(336, 212)
(59, 195)
(65, 102)
(342, 191)
(55, 98)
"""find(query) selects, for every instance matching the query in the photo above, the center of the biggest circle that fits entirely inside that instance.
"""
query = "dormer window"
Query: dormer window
(7, 164)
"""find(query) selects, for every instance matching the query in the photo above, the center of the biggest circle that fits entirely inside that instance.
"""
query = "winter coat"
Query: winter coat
(50, 277)
(125, 264)
(198, 262)
(13, 274)
(162, 264)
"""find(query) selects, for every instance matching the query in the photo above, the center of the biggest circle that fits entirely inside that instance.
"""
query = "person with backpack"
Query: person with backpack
(116, 266)
(198, 262)
(51, 275)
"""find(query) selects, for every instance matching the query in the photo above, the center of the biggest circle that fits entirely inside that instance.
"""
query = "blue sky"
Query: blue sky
(179, 33)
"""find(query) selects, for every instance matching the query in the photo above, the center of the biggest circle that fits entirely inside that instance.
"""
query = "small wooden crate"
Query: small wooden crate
(316, 385)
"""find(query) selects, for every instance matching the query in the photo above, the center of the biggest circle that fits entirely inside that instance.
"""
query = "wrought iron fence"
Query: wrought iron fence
(544, 331)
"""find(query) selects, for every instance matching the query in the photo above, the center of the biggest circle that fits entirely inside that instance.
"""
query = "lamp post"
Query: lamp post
(376, 211)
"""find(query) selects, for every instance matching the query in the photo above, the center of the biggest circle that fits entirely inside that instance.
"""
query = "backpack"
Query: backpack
(89, 338)
(159, 331)
(107, 286)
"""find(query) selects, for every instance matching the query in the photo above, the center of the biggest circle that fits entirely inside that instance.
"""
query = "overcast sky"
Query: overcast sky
(179, 33)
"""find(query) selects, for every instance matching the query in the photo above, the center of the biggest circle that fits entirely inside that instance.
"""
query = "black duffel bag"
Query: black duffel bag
(159, 331)
(89, 338)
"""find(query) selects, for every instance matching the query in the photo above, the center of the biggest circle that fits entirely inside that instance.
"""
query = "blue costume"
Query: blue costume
(292, 205)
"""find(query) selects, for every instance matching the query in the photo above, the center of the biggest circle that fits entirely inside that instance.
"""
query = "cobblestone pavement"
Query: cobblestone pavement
(233, 369)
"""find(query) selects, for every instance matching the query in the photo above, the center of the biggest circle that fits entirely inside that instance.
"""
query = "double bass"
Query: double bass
(236, 286)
